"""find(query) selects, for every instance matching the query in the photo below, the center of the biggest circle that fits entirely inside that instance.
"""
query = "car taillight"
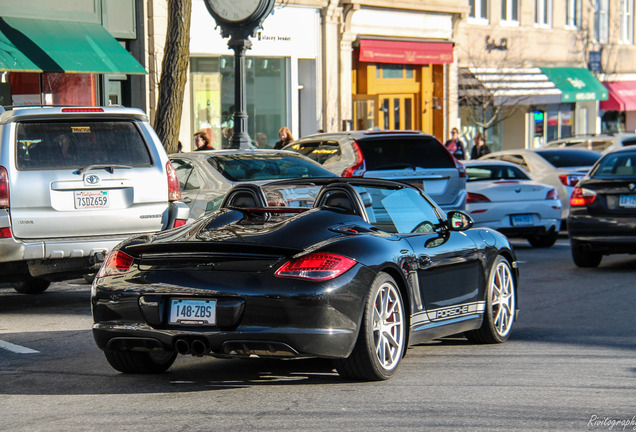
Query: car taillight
(359, 167)
(316, 266)
(4, 187)
(461, 168)
(174, 190)
(552, 194)
(5, 232)
(178, 222)
(476, 198)
(117, 262)
(570, 179)
(582, 197)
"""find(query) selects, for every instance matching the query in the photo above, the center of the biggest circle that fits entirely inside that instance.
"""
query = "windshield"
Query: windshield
(569, 158)
(494, 172)
(621, 164)
(393, 210)
(249, 167)
(77, 144)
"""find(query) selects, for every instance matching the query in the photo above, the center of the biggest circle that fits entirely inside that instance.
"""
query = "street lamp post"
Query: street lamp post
(239, 19)
(241, 137)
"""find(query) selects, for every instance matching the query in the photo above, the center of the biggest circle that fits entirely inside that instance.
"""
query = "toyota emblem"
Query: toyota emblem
(91, 179)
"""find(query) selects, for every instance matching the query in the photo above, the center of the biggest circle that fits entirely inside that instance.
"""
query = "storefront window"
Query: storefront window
(394, 71)
(549, 124)
(52, 89)
(213, 97)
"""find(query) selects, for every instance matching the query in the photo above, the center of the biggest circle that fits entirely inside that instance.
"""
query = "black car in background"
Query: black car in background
(353, 270)
(602, 218)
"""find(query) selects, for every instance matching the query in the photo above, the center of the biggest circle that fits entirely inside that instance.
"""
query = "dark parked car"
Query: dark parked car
(603, 209)
(206, 176)
(410, 156)
(348, 269)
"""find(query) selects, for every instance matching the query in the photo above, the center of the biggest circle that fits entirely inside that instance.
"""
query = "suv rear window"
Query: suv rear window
(389, 153)
(568, 158)
(77, 144)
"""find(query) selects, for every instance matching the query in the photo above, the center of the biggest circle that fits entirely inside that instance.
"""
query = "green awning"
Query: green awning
(576, 84)
(31, 45)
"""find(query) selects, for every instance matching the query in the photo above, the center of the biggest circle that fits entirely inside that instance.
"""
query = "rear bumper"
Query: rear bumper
(602, 234)
(271, 317)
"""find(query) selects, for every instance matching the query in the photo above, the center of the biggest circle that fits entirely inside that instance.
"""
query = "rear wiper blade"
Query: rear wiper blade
(108, 167)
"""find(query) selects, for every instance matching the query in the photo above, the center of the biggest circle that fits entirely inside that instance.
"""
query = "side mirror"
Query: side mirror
(459, 221)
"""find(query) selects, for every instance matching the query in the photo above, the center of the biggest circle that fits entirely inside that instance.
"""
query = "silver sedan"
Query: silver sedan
(205, 176)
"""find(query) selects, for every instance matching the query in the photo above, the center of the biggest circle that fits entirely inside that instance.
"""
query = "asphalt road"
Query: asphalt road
(569, 365)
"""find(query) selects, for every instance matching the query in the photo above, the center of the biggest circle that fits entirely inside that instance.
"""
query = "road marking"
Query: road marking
(18, 349)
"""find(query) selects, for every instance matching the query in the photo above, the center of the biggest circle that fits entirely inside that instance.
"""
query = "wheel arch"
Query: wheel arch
(509, 256)
(400, 280)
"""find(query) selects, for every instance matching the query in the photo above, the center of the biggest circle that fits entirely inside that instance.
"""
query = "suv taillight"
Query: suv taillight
(174, 190)
(82, 110)
(582, 197)
(4, 187)
(358, 168)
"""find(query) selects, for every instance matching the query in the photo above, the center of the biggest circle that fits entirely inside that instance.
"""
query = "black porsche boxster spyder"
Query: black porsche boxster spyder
(350, 269)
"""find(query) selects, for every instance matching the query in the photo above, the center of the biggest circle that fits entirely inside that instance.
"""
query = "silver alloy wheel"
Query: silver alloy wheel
(388, 320)
(503, 298)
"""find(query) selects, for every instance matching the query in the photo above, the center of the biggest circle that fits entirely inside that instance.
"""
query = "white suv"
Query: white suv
(74, 182)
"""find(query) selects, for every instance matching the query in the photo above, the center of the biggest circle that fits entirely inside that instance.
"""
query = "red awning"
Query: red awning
(385, 51)
(622, 96)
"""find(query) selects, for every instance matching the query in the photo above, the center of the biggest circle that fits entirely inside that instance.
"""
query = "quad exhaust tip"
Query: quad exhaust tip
(196, 347)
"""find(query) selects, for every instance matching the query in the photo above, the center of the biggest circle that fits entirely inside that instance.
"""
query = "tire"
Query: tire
(31, 285)
(501, 303)
(585, 259)
(382, 337)
(137, 362)
(544, 240)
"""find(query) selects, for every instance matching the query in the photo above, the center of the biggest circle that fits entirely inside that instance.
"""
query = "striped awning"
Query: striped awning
(507, 86)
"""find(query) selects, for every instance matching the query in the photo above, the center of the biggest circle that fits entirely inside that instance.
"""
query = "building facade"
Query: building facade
(536, 67)
(81, 52)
